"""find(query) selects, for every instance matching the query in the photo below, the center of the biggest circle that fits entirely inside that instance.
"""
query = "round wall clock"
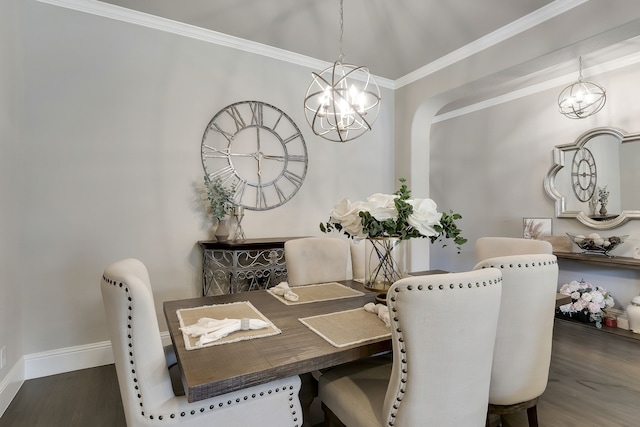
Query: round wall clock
(584, 175)
(258, 150)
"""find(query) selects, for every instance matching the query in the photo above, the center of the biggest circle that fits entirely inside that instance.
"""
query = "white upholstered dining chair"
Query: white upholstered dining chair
(143, 377)
(491, 247)
(443, 329)
(522, 353)
(316, 260)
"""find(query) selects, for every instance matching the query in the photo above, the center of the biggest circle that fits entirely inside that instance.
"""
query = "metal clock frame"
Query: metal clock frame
(217, 146)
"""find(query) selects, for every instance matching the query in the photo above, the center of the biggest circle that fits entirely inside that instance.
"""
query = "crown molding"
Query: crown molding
(512, 29)
(123, 14)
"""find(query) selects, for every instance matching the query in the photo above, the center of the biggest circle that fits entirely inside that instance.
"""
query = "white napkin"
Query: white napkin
(381, 310)
(282, 289)
(210, 330)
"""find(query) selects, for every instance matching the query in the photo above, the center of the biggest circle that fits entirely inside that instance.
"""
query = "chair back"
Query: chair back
(316, 260)
(491, 247)
(145, 383)
(443, 328)
(135, 339)
(525, 328)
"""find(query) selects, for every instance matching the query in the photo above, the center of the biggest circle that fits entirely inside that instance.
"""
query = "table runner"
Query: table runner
(349, 327)
(235, 310)
(319, 292)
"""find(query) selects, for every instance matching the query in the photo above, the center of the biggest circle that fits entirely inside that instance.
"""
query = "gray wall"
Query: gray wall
(100, 129)
(490, 165)
(106, 164)
(11, 225)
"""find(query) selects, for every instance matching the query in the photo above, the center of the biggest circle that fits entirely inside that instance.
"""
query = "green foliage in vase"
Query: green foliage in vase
(220, 197)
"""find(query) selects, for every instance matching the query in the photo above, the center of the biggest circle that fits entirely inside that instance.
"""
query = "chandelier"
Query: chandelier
(581, 99)
(342, 101)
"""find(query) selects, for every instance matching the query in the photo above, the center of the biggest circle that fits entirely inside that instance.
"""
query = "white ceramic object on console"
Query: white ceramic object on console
(633, 313)
(623, 322)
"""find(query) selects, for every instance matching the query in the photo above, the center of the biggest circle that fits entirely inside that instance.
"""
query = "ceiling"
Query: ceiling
(536, 41)
(392, 37)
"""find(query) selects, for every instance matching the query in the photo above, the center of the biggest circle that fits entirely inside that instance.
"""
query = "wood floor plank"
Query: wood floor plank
(88, 397)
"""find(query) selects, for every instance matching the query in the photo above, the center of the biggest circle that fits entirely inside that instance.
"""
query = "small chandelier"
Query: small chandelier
(581, 99)
(342, 101)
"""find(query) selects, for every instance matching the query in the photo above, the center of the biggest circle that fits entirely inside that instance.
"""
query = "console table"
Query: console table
(237, 266)
(603, 261)
(614, 261)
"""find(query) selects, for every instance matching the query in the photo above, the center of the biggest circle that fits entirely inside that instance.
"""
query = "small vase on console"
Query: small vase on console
(603, 209)
(222, 231)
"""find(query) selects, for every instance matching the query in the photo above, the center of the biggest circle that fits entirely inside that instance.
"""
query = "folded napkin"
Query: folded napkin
(282, 289)
(381, 310)
(210, 330)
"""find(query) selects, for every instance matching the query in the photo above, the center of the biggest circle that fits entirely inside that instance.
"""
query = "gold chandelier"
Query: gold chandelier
(342, 101)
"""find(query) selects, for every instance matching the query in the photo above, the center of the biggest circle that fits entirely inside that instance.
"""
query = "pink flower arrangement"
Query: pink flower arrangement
(587, 299)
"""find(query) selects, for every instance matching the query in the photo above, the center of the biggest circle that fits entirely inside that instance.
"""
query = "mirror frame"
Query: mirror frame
(559, 162)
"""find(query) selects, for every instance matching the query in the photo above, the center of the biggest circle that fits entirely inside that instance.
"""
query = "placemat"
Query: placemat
(319, 292)
(234, 310)
(345, 328)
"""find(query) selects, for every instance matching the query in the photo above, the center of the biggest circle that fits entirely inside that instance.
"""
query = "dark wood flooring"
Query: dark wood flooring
(594, 381)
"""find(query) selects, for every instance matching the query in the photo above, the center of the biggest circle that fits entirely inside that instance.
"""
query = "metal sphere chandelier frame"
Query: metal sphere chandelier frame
(342, 101)
(581, 99)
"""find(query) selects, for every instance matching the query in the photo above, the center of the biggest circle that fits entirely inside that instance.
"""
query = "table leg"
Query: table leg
(308, 392)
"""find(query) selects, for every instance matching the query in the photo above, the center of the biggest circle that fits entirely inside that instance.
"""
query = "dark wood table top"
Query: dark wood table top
(220, 369)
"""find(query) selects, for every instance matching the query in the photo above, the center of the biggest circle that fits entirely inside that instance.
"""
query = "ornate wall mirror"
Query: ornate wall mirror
(601, 158)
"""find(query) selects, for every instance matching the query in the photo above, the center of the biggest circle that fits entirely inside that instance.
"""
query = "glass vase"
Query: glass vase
(385, 263)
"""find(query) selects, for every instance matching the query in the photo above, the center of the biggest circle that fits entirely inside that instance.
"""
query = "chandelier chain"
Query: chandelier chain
(580, 68)
(341, 57)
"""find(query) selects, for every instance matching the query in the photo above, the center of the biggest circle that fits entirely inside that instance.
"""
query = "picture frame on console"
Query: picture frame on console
(536, 228)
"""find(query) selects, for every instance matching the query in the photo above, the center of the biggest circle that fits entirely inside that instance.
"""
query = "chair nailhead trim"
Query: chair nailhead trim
(135, 379)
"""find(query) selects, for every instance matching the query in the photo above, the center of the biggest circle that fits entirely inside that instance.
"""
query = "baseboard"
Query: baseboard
(10, 385)
(54, 362)
(69, 359)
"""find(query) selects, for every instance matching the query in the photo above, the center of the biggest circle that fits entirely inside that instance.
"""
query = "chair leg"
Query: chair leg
(532, 416)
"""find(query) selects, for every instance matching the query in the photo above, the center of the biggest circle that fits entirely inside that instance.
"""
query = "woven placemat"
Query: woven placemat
(349, 327)
(234, 310)
(319, 292)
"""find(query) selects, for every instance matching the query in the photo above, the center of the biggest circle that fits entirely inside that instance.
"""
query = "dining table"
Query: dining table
(296, 349)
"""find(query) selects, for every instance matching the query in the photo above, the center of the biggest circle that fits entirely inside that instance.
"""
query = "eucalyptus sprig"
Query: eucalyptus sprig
(220, 197)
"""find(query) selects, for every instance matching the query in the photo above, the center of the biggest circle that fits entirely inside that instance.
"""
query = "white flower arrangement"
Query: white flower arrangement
(393, 215)
(587, 299)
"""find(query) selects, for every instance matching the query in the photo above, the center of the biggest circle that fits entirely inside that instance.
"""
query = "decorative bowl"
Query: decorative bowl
(596, 244)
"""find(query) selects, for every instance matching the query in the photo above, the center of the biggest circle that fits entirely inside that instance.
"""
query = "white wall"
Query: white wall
(489, 165)
(110, 154)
